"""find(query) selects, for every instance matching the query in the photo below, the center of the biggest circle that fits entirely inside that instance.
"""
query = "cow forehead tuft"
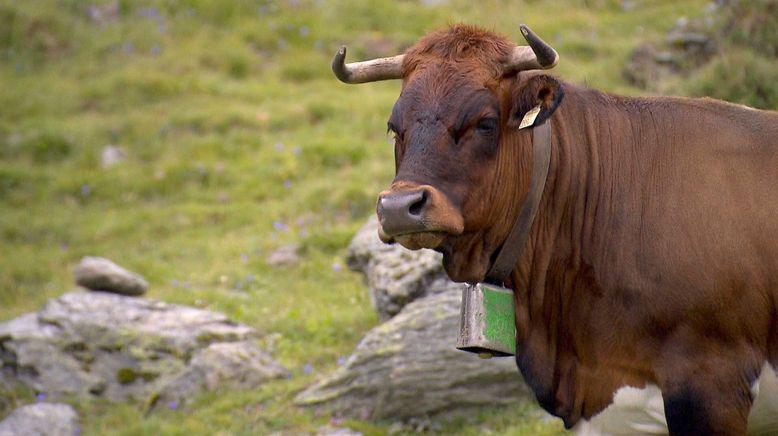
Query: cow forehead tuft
(461, 44)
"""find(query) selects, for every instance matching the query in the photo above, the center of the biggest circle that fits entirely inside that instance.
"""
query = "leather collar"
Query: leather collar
(513, 247)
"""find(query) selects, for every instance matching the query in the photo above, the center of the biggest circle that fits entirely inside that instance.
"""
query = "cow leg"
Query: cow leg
(707, 402)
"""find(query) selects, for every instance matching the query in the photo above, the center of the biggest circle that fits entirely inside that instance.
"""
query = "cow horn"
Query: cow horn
(539, 55)
(367, 71)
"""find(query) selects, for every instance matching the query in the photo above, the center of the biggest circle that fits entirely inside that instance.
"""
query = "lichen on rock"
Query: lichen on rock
(395, 276)
(408, 367)
(129, 349)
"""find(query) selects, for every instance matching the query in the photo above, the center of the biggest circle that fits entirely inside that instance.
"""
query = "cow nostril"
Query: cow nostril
(417, 206)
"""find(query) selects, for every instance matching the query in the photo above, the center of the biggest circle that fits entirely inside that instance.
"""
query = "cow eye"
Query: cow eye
(486, 126)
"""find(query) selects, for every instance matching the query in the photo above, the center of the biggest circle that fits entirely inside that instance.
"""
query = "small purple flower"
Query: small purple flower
(128, 47)
(308, 368)
(19, 67)
(287, 183)
(244, 257)
(305, 31)
(41, 397)
(318, 44)
(173, 405)
(175, 283)
(239, 285)
(85, 190)
(341, 360)
(156, 50)
(337, 267)
(186, 285)
(297, 150)
(279, 146)
(304, 233)
(280, 226)
(250, 278)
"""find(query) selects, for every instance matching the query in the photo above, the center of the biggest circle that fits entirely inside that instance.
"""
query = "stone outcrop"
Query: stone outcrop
(129, 349)
(41, 419)
(686, 47)
(408, 367)
(394, 275)
(233, 363)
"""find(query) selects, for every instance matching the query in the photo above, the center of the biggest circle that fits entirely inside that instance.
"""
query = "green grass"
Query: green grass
(239, 140)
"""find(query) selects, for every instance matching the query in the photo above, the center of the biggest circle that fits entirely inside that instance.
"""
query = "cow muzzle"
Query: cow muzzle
(416, 216)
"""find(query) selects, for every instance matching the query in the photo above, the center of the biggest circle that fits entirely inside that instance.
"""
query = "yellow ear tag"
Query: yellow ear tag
(529, 117)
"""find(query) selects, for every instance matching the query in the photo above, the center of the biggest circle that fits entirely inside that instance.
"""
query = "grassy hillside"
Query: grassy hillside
(238, 141)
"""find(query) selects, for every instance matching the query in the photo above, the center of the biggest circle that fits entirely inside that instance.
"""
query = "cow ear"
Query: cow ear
(541, 90)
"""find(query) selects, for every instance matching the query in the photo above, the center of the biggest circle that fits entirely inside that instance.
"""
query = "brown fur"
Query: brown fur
(654, 255)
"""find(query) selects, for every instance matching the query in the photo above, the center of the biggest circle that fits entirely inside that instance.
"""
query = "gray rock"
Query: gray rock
(105, 14)
(329, 430)
(129, 349)
(696, 47)
(649, 67)
(42, 419)
(232, 363)
(112, 155)
(432, 3)
(285, 255)
(408, 367)
(688, 45)
(100, 274)
(395, 275)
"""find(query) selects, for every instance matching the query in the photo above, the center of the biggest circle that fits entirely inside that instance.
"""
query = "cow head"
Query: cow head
(459, 154)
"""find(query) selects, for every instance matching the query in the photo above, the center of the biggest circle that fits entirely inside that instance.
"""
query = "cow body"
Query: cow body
(653, 257)
(640, 412)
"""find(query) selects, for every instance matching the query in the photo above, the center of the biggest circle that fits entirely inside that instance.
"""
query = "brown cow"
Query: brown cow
(653, 258)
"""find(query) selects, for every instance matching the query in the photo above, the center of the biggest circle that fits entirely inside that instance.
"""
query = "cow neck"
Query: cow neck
(513, 247)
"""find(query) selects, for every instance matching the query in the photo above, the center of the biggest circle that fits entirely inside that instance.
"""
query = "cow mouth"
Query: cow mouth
(415, 240)
(463, 263)
(417, 216)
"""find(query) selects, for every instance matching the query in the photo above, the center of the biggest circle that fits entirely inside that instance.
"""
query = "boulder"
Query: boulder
(649, 67)
(100, 274)
(689, 45)
(234, 363)
(41, 419)
(408, 367)
(394, 275)
(129, 349)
